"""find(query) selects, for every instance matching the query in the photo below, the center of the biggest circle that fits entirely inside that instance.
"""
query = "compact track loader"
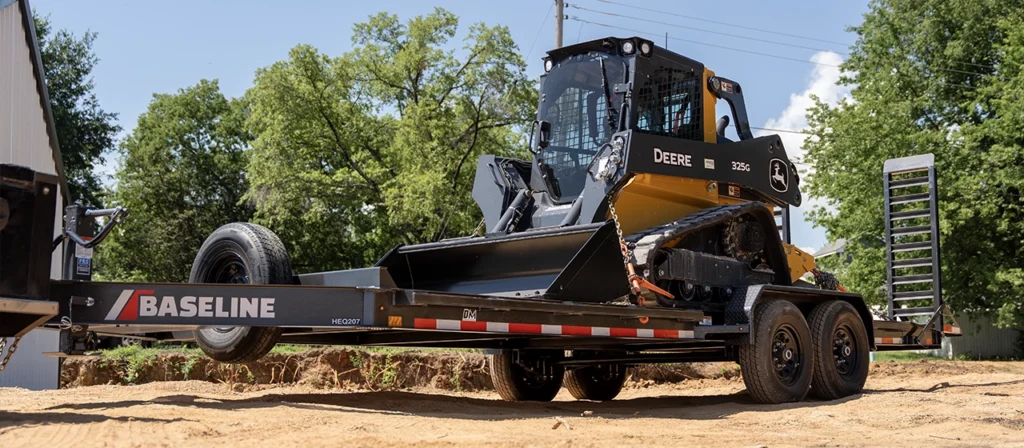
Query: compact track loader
(633, 192)
(638, 233)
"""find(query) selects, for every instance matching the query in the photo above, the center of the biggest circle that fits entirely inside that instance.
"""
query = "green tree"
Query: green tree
(356, 153)
(939, 76)
(84, 129)
(182, 176)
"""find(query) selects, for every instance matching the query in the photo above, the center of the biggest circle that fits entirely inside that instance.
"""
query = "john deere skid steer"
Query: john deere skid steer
(633, 191)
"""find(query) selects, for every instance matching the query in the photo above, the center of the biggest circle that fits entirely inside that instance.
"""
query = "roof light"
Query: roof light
(645, 48)
(548, 63)
(627, 47)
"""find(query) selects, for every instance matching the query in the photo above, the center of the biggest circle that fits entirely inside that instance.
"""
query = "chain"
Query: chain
(10, 351)
(627, 253)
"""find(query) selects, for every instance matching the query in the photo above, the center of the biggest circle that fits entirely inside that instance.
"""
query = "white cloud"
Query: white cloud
(822, 84)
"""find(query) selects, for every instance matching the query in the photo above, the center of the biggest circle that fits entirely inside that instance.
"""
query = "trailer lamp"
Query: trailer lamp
(548, 64)
(628, 47)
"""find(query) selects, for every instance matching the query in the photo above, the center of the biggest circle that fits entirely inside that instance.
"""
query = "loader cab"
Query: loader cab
(592, 90)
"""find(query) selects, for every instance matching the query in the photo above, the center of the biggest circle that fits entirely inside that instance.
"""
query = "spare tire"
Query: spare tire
(240, 253)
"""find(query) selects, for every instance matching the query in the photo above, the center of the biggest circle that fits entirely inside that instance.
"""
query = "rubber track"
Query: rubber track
(646, 242)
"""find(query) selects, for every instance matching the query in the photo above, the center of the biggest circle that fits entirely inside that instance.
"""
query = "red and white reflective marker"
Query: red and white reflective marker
(558, 330)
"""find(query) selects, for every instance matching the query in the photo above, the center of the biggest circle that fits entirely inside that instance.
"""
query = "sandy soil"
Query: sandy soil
(916, 404)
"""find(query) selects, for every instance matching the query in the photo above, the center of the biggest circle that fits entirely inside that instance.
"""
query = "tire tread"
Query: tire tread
(758, 380)
(819, 319)
(270, 265)
(579, 385)
(503, 376)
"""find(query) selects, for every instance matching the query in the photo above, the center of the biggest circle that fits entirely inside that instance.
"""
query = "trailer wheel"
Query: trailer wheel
(599, 383)
(247, 254)
(778, 366)
(515, 383)
(841, 350)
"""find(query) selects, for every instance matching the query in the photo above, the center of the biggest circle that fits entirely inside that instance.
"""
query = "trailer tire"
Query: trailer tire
(247, 254)
(598, 383)
(841, 350)
(514, 383)
(781, 338)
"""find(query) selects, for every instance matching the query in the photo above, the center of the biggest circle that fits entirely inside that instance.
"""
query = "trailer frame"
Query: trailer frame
(363, 307)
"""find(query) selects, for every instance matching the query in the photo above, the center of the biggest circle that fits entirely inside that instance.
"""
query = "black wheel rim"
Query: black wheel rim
(602, 373)
(228, 269)
(844, 351)
(787, 354)
(534, 380)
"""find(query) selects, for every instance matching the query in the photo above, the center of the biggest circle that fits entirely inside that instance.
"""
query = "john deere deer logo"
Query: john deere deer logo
(779, 175)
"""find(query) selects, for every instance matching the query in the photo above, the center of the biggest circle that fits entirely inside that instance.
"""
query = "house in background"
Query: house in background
(833, 248)
(28, 138)
(980, 340)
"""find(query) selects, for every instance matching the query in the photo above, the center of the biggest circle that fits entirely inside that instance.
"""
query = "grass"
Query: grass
(136, 351)
(132, 359)
(905, 357)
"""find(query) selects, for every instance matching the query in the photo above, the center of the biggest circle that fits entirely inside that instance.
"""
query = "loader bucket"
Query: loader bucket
(580, 263)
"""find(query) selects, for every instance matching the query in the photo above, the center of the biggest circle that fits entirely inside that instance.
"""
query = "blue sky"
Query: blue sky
(158, 47)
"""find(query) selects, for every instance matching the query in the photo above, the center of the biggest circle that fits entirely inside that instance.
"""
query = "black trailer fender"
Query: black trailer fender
(740, 307)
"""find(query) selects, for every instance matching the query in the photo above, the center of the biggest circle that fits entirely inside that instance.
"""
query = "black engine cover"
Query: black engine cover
(760, 164)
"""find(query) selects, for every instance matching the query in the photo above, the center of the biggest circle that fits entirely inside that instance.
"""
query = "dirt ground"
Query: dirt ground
(912, 403)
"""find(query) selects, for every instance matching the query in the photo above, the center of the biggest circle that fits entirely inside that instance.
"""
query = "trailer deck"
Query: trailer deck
(362, 307)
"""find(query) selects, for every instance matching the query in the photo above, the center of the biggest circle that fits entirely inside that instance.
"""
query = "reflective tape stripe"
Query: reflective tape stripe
(888, 340)
(562, 330)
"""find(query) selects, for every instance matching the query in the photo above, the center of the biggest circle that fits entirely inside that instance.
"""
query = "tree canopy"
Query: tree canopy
(939, 76)
(85, 131)
(358, 152)
(182, 175)
(342, 156)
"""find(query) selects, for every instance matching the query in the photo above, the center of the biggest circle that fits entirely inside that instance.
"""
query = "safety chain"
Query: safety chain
(637, 283)
(826, 280)
(627, 253)
(10, 351)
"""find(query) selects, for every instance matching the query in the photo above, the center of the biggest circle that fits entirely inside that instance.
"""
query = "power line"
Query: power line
(724, 47)
(716, 22)
(787, 131)
(545, 21)
(760, 30)
(755, 39)
(706, 31)
(796, 59)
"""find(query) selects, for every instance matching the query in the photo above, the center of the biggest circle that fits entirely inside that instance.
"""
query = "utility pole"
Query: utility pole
(559, 17)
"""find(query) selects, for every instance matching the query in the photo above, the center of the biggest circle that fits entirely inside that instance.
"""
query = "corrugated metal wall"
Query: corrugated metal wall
(28, 367)
(980, 340)
(24, 141)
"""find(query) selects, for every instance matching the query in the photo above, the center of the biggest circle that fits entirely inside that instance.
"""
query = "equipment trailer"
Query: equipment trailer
(638, 234)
